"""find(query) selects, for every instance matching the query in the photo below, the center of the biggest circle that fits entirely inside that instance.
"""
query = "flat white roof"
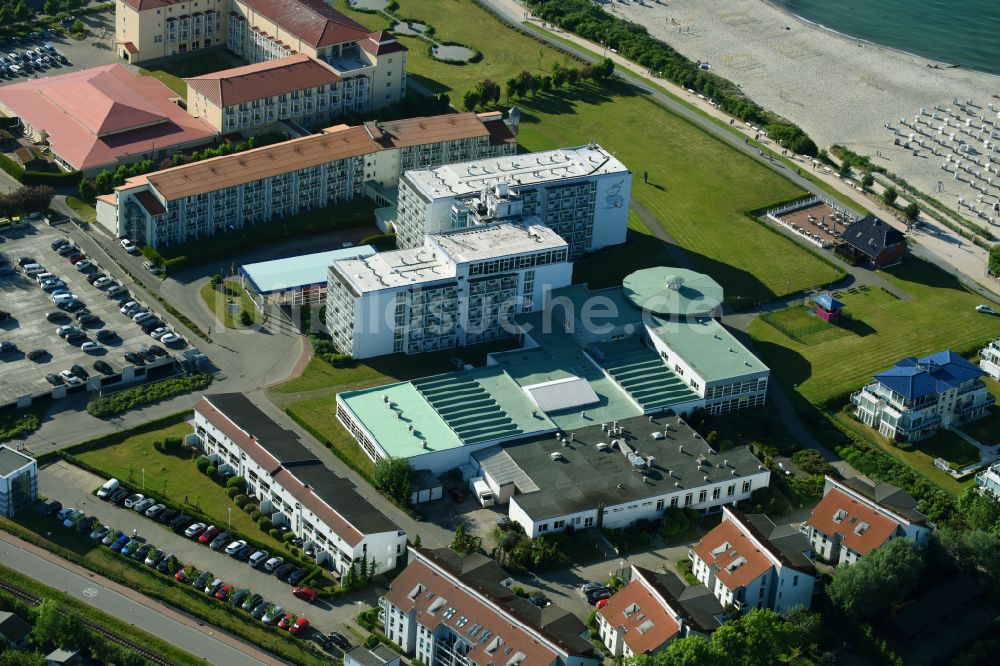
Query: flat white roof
(497, 240)
(467, 178)
(398, 268)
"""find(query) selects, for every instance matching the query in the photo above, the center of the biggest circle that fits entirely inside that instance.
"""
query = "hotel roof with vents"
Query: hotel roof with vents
(97, 117)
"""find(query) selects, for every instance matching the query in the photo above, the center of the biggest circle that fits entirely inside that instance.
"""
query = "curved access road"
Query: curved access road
(196, 638)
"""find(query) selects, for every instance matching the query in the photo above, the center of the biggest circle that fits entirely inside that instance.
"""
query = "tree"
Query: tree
(867, 181)
(883, 578)
(674, 523)
(417, 543)
(558, 76)
(465, 543)
(77, 27)
(202, 463)
(470, 100)
(391, 477)
(979, 511)
(890, 195)
(22, 658)
(912, 212)
(605, 68)
(546, 83)
(573, 76)
(236, 482)
(21, 12)
(489, 91)
(26, 199)
(371, 568)
(55, 625)
(510, 88)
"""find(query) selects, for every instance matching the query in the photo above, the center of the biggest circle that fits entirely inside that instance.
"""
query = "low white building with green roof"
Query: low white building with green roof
(589, 358)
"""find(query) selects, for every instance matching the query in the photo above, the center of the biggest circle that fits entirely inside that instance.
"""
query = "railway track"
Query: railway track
(146, 653)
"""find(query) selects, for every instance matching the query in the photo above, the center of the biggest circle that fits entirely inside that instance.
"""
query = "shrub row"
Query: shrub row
(122, 401)
(55, 178)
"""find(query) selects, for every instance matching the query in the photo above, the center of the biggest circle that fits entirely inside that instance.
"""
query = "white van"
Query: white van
(33, 269)
(108, 488)
(42, 277)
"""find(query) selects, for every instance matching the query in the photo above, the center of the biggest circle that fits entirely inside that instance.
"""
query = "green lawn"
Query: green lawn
(173, 73)
(83, 210)
(985, 430)
(219, 303)
(172, 477)
(939, 315)
(800, 323)
(946, 444)
(223, 246)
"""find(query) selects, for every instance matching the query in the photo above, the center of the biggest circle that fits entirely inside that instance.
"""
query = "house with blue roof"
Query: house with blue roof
(919, 396)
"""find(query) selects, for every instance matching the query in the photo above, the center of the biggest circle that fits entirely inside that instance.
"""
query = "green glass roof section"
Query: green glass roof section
(708, 348)
(672, 291)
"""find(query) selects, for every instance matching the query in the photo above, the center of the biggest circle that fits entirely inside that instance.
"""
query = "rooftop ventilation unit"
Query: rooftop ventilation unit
(657, 435)
(602, 446)
(556, 455)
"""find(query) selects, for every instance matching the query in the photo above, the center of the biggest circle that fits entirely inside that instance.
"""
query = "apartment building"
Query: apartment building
(255, 98)
(580, 193)
(294, 487)
(989, 359)
(749, 562)
(225, 194)
(989, 479)
(654, 610)
(855, 517)
(372, 65)
(18, 481)
(457, 289)
(449, 610)
(919, 396)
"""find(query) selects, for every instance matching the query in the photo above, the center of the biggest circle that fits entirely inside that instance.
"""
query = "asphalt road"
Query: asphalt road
(200, 641)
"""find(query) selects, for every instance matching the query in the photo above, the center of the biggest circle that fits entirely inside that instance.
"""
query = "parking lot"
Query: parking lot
(93, 51)
(74, 488)
(29, 329)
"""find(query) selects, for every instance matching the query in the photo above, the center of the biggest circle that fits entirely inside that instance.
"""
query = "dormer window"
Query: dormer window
(861, 528)
(839, 516)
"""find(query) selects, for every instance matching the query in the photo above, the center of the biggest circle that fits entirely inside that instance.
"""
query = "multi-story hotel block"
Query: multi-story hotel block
(654, 610)
(457, 289)
(18, 481)
(295, 488)
(855, 517)
(444, 609)
(228, 193)
(253, 99)
(989, 359)
(749, 562)
(989, 479)
(371, 65)
(920, 396)
(580, 193)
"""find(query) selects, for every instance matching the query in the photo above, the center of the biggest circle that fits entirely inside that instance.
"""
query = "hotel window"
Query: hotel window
(731, 490)
(544, 527)
(687, 499)
(702, 496)
(716, 492)
(746, 486)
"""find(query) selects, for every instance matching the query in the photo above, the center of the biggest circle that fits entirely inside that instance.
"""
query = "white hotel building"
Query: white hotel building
(323, 509)
(580, 193)
(456, 289)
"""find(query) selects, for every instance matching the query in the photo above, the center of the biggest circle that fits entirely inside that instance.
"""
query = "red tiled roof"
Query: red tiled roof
(131, 47)
(150, 203)
(381, 43)
(648, 622)
(825, 519)
(143, 5)
(312, 21)
(441, 593)
(263, 80)
(728, 546)
(108, 198)
(95, 117)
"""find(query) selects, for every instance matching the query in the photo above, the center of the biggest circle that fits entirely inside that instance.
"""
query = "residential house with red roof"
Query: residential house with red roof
(371, 65)
(448, 609)
(653, 610)
(294, 488)
(748, 561)
(855, 517)
(918, 396)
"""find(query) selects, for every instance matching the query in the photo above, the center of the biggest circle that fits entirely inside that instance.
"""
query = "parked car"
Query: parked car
(212, 587)
(131, 547)
(133, 500)
(203, 579)
(260, 609)
(134, 358)
(153, 557)
(155, 510)
(57, 316)
(63, 331)
(129, 246)
(165, 563)
(209, 534)
(83, 374)
(339, 640)
(183, 574)
(273, 614)
(58, 243)
(195, 530)
(130, 308)
(103, 368)
(94, 277)
(596, 595)
(273, 564)
(84, 265)
(103, 282)
(985, 309)
(286, 621)
(299, 627)
(322, 641)
(589, 587)
(284, 570)
(142, 551)
(120, 495)
(51, 508)
(143, 505)
(173, 340)
(243, 553)
(63, 514)
(180, 522)
(258, 558)
(238, 597)
(120, 543)
(158, 333)
(7, 347)
(86, 318)
(251, 602)
(157, 350)
(106, 335)
(223, 592)
(298, 575)
(112, 536)
(540, 600)
(37, 354)
(54, 379)
(220, 541)
(601, 603)
(67, 249)
(166, 516)
(305, 594)
(110, 486)
(99, 533)
(151, 267)
(235, 546)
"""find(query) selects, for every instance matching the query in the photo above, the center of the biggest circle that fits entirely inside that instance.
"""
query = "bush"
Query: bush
(251, 507)
(288, 537)
(202, 463)
(241, 500)
(246, 317)
(122, 401)
(211, 471)
(265, 524)
(274, 533)
(236, 482)
(255, 515)
(232, 492)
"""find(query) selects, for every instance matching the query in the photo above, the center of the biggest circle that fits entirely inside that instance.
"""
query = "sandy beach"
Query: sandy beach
(838, 89)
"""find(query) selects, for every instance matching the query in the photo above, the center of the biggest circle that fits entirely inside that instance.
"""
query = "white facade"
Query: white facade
(336, 542)
(776, 585)
(456, 290)
(18, 481)
(707, 498)
(989, 479)
(580, 193)
(989, 359)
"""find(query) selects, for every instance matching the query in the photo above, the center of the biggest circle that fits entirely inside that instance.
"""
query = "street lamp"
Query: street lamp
(143, 478)
(229, 515)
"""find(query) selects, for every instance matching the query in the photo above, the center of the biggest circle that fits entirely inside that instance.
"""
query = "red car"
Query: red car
(181, 574)
(209, 534)
(286, 621)
(300, 625)
(223, 592)
(73, 258)
(305, 593)
(601, 603)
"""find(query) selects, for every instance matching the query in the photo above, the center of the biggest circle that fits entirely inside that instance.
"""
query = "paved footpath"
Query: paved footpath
(198, 639)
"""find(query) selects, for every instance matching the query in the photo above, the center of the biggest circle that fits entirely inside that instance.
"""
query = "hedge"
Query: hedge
(55, 179)
(116, 403)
